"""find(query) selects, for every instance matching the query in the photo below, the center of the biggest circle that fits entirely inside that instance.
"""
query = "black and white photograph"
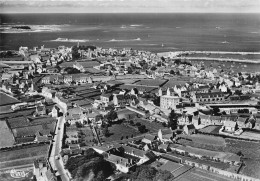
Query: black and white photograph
(129, 90)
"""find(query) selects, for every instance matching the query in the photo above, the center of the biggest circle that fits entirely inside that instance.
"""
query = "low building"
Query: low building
(189, 129)
(42, 170)
(230, 126)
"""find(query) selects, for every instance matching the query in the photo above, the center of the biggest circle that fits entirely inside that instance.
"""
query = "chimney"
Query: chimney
(133, 152)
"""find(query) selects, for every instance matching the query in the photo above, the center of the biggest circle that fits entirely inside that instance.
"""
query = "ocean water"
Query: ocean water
(153, 32)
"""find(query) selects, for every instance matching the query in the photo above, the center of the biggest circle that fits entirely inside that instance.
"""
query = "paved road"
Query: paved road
(57, 164)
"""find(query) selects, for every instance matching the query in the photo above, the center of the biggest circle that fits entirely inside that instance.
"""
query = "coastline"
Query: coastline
(182, 55)
(219, 59)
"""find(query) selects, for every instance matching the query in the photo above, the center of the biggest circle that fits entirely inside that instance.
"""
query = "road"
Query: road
(57, 164)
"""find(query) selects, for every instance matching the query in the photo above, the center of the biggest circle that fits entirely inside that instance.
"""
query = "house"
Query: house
(169, 102)
(42, 170)
(196, 120)
(216, 120)
(241, 122)
(189, 129)
(40, 110)
(230, 126)
(205, 120)
(106, 98)
(125, 157)
(184, 119)
(75, 114)
(120, 100)
(257, 123)
(163, 147)
(55, 111)
(149, 139)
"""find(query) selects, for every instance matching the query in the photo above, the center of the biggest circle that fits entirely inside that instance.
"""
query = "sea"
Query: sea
(152, 32)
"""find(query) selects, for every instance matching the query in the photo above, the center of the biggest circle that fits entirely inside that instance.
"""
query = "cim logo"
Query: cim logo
(18, 173)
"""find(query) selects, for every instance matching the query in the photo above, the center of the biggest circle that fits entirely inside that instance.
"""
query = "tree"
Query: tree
(173, 120)
(78, 125)
(105, 131)
(238, 92)
(110, 116)
(153, 68)
(142, 129)
(130, 70)
(75, 53)
(156, 101)
(172, 72)
(216, 111)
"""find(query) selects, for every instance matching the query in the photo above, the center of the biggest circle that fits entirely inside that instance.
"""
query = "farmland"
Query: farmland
(25, 152)
(6, 138)
(198, 175)
(7, 100)
(210, 129)
(207, 140)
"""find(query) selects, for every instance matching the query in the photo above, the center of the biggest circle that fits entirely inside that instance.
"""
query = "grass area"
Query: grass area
(119, 130)
(151, 126)
(211, 129)
(7, 99)
(6, 138)
(26, 151)
(17, 163)
(208, 140)
(198, 175)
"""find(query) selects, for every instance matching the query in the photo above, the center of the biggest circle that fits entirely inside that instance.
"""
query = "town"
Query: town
(82, 112)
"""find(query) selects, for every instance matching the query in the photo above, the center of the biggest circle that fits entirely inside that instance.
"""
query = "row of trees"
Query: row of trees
(145, 173)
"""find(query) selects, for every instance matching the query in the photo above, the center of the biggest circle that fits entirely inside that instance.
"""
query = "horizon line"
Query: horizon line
(181, 12)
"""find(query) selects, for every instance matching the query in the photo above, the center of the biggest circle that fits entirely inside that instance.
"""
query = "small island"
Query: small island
(21, 27)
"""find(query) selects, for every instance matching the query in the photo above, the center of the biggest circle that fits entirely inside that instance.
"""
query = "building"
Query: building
(209, 97)
(106, 98)
(126, 157)
(189, 129)
(42, 170)
(230, 126)
(169, 102)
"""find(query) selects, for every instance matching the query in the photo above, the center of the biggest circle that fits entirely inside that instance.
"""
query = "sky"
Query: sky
(130, 6)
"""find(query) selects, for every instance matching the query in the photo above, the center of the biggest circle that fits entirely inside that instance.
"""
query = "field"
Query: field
(151, 126)
(207, 140)
(211, 129)
(151, 82)
(6, 138)
(26, 152)
(250, 135)
(7, 100)
(117, 131)
(198, 175)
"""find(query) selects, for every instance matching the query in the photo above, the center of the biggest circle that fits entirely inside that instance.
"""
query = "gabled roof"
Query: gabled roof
(190, 127)
(230, 124)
